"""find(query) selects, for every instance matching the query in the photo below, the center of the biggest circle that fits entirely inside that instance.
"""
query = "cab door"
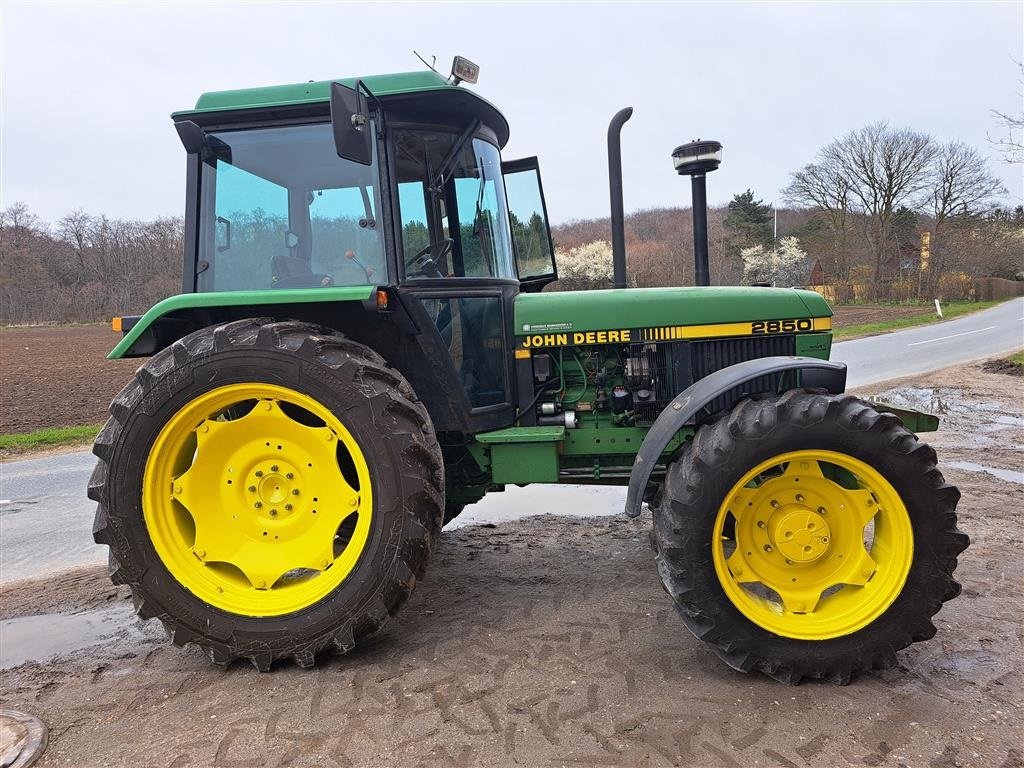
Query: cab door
(528, 218)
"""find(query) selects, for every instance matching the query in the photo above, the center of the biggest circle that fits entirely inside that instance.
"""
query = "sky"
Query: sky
(87, 88)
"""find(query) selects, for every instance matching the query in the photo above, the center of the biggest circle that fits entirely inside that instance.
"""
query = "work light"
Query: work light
(464, 70)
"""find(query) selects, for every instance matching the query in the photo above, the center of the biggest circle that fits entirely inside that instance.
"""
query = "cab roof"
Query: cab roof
(421, 91)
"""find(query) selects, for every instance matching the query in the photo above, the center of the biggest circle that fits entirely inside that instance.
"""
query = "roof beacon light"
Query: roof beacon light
(464, 70)
(696, 160)
(697, 157)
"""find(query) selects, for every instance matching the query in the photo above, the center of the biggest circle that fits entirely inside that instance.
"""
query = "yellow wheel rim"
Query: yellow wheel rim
(812, 545)
(257, 499)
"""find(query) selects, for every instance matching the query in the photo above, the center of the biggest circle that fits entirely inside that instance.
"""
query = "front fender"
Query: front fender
(815, 373)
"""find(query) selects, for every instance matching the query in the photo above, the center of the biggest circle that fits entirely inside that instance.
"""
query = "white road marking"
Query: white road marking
(955, 335)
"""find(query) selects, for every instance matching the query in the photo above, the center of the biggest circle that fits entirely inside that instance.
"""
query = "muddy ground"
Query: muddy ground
(549, 642)
(57, 376)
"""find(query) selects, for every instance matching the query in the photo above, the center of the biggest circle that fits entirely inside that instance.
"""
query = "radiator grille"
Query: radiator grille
(713, 355)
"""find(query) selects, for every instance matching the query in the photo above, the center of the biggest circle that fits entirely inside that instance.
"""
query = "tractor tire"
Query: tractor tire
(268, 490)
(843, 545)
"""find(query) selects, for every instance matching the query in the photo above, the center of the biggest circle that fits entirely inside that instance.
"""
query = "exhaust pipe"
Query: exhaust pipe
(615, 189)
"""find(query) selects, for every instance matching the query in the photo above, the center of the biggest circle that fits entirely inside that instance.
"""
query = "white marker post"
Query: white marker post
(938, 309)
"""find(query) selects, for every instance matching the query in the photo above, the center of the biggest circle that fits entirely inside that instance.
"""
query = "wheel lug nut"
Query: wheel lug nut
(295, 491)
(761, 524)
(767, 547)
(821, 510)
(252, 489)
(273, 513)
(799, 497)
(259, 473)
(775, 503)
(258, 504)
(287, 507)
(273, 467)
(289, 476)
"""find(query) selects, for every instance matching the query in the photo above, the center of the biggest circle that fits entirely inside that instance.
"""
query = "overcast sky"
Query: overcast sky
(87, 88)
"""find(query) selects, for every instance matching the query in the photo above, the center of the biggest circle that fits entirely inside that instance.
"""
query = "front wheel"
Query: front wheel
(808, 535)
(268, 490)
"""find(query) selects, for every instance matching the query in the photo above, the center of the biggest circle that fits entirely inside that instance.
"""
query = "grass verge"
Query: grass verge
(949, 311)
(25, 442)
(1017, 357)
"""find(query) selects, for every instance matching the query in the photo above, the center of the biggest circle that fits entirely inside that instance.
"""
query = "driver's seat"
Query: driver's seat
(290, 272)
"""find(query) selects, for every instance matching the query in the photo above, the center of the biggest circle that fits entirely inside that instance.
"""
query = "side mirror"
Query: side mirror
(350, 120)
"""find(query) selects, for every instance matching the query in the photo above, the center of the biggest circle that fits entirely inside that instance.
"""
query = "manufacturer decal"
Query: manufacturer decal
(546, 327)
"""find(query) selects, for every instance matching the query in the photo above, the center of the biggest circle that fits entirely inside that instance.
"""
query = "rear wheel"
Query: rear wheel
(808, 536)
(268, 490)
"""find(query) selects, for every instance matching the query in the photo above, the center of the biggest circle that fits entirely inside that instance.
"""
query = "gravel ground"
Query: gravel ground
(549, 642)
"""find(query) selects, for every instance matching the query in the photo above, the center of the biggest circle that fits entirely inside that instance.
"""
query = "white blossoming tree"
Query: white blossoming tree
(786, 266)
(587, 266)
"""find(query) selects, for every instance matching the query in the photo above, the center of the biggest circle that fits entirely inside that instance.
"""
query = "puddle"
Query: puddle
(515, 503)
(1010, 475)
(37, 638)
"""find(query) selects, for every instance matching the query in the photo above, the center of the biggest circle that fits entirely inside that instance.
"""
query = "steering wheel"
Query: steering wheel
(425, 262)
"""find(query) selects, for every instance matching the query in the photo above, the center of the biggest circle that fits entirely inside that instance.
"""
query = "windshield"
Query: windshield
(452, 202)
(280, 209)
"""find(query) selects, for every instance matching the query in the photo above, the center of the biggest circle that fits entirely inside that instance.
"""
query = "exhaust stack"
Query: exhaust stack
(615, 189)
(696, 160)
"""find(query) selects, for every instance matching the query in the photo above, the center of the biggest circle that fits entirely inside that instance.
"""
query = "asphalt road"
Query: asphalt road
(917, 350)
(46, 519)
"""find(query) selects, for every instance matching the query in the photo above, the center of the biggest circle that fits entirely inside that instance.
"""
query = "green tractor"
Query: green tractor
(361, 348)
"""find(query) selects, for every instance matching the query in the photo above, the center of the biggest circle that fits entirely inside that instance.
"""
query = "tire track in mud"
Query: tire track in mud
(549, 642)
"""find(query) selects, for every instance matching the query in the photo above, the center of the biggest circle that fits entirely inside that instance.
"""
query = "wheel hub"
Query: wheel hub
(801, 535)
(275, 488)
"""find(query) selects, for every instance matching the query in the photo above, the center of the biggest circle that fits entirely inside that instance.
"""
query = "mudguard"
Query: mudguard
(814, 373)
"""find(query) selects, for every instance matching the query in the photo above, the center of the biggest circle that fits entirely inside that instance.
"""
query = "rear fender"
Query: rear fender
(814, 373)
(177, 316)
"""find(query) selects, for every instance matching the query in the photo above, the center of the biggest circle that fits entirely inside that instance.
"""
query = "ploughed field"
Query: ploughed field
(57, 376)
(548, 641)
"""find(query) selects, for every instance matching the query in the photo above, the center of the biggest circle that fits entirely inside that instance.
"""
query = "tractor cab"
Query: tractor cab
(392, 182)
(280, 198)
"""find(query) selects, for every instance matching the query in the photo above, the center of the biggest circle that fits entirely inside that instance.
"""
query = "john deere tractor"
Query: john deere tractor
(361, 348)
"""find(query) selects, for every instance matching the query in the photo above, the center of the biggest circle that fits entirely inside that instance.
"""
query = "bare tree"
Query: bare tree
(962, 184)
(824, 188)
(871, 172)
(962, 187)
(886, 169)
(1011, 146)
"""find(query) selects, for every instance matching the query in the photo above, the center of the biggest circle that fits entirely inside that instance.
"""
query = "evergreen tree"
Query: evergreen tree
(750, 221)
